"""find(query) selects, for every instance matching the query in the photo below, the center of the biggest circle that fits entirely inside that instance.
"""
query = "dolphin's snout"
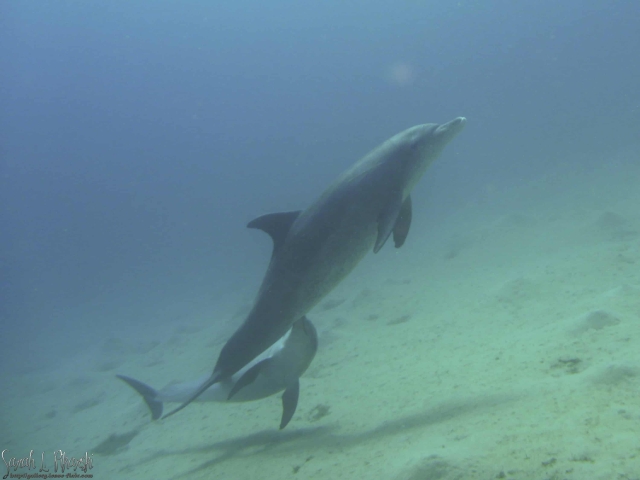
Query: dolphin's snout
(456, 123)
(452, 128)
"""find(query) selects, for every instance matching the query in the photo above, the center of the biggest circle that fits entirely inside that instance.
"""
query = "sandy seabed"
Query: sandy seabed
(502, 343)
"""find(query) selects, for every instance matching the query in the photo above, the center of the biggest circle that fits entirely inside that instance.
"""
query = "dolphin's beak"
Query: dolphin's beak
(453, 127)
(448, 131)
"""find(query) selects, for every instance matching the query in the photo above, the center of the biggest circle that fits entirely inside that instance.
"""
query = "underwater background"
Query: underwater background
(137, 140)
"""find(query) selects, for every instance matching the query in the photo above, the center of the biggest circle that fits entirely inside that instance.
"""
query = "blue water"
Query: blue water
(137, 139)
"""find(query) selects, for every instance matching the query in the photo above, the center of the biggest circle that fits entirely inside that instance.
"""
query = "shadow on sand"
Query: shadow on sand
(309, 440)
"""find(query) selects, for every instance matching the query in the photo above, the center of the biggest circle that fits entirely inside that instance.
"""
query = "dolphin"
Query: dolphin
(315, 249)
(278, 368)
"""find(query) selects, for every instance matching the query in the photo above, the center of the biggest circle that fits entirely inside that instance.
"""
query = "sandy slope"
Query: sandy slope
(503, 344)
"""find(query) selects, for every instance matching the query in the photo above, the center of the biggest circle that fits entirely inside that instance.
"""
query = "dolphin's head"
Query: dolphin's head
(421, 145)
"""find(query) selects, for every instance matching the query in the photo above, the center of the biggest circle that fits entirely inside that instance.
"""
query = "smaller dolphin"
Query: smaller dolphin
(277, 369)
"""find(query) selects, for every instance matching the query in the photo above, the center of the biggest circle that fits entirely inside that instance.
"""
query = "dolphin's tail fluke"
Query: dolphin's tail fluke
(214, 378)
(149, 394)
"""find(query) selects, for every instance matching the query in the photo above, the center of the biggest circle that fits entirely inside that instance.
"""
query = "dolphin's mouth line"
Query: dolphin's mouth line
(451, 129)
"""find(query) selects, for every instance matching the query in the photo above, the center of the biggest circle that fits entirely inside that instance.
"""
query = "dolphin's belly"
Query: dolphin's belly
(181, 392)
(262, 387)
(337, 258)
(352, 213)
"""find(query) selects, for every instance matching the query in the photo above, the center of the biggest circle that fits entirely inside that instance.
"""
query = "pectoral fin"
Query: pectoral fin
(248, 377)
(387, 221)
(289, 403)
(403, 223)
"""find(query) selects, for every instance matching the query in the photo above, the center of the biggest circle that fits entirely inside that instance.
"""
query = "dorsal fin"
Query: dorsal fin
(277, 225)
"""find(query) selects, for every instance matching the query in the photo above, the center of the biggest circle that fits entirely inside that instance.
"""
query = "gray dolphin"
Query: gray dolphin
(314, 249)
(278, 368)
